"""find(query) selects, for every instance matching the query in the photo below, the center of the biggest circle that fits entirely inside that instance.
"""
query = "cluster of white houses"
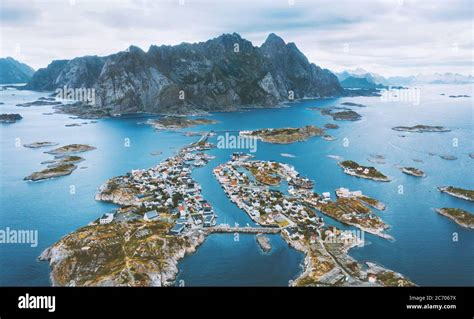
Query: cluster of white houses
(167, 192)
(265, 205)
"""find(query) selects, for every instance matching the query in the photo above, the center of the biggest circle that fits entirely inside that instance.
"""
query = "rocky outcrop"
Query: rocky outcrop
(224, 73)
(290, 70)
(136, 253)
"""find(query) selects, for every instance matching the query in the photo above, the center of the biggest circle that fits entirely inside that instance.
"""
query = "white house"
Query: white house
(106, 218)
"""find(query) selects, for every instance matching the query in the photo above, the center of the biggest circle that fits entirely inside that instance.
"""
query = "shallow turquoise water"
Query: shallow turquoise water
(423, 248)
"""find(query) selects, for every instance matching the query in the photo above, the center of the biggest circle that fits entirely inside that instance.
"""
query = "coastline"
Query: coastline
(444, 212)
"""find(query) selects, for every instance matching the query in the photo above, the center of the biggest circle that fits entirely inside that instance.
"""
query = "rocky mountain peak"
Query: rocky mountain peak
(223, 73)
(274, 40)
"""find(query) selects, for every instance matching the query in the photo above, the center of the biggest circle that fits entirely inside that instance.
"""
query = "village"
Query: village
(274, 194)
(165, 192)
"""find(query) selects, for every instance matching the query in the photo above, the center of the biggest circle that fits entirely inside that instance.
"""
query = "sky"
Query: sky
(388, 37)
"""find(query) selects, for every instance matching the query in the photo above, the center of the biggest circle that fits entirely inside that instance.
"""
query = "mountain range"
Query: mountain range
(12, 71)
(352, 82)
(224, 73)
(435, 78)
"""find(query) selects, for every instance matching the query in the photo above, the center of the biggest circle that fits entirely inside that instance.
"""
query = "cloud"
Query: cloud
(387, 36)
(12, 14)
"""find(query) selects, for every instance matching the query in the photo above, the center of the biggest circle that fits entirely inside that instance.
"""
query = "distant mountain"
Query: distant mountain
(445, 78)
(12, 71)
(223, 73)
(436, 78)
(360, 83)
(361, 73)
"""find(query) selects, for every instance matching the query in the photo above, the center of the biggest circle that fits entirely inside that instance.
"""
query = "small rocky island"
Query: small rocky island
(413, 171)
(51, 172)
(39, 102)
(331, 126)
(70, 149)
(10, 118)
(284, 135)
(64, 163)
(353, 104)
(39, 144)
(83, 110)
(344, 115)
(460, 216)
(448, 157)
(176, 122)
(368, 172)
(458, 96)
(420, 128)
(461, 193)
(328, 137)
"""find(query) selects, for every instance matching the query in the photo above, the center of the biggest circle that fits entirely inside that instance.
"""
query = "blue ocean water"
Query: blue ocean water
(423, 249)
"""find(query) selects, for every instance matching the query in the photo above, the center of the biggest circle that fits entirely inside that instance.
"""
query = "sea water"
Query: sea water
(428, 248)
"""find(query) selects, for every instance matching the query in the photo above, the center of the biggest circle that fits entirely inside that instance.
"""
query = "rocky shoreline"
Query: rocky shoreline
(459, 216)
(413, 171)
(62, 169)
(341, 114)
(284, 135)
(457, 192)
(354, 169)
(83, 250)
(64, 162)
(124, 247)
(175, 122)
(39, 144)
(420, 128)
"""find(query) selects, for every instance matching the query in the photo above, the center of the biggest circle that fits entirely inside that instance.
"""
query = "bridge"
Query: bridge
(248, 230)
